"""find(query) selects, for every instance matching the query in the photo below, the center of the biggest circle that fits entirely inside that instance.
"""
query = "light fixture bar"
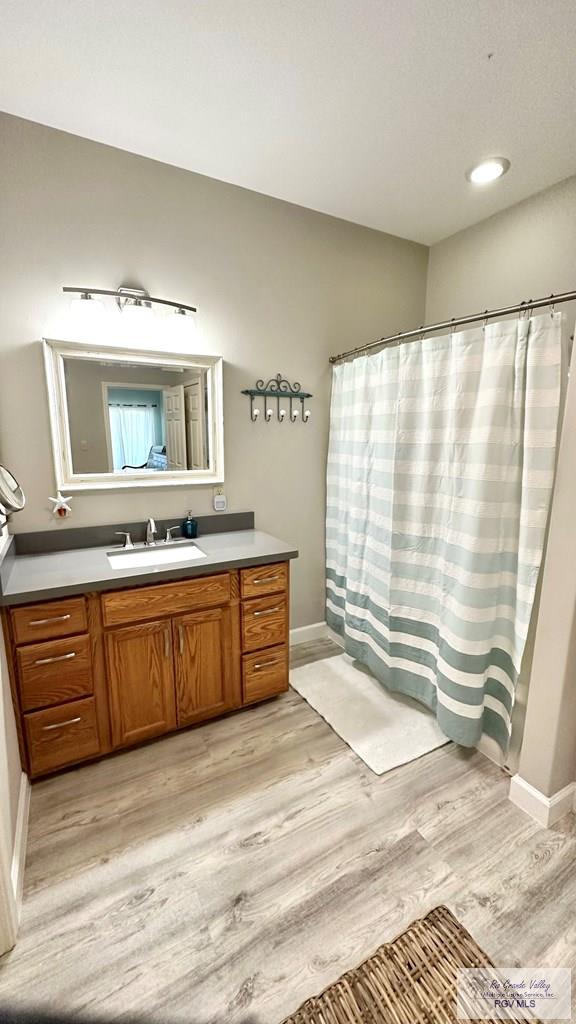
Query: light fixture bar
(123, 293)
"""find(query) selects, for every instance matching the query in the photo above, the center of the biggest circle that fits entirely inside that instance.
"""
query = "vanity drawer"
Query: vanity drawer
(264, 674)
(264, 622)
(264, 579)
(50, 619)
(121, 606)
(53, 672)
(63, 735)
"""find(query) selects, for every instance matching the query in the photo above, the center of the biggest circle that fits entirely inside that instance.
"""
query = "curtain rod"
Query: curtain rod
(488, 314)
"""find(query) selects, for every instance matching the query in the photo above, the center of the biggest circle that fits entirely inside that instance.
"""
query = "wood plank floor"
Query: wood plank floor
(226, 873)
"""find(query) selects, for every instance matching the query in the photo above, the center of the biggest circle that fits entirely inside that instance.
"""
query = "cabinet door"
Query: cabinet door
(140, 671)
(205, 682)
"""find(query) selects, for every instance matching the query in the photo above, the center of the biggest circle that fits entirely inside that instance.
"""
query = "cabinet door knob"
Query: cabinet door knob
(166, 643)
(181, 638)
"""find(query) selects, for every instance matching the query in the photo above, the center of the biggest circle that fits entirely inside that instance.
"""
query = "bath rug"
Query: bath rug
(384, 729)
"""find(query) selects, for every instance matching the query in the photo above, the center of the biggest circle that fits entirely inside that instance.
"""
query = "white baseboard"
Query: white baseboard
(316, 631)
(20, 840)
(546, 810)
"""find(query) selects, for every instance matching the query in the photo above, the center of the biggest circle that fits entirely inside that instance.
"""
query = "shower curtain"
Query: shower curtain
(133, 432)
(440, 472)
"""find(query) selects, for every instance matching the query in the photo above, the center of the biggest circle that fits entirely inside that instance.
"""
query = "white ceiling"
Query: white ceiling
(371, 110)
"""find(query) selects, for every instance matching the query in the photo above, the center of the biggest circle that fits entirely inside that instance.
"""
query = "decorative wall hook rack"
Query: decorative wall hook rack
(278, 389)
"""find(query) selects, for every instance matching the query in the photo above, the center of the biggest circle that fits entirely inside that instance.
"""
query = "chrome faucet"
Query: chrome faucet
(151, 532)
(127, 538)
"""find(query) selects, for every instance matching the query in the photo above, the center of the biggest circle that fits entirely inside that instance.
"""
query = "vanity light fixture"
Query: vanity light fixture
(128, 298)
(488, 170)
(134, 315)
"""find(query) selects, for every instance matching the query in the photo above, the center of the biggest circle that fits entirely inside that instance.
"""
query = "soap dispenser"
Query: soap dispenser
(190, 527)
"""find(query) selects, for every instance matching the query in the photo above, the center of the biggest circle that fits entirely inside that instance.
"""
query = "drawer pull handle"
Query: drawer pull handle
(53, 618)
(59, 657)
(60, 725)
(166, 644)
(181, 638)
(267, 579)
(265, 664)
(266, 611)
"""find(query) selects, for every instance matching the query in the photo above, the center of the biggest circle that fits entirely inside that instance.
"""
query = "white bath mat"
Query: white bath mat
(384, 729)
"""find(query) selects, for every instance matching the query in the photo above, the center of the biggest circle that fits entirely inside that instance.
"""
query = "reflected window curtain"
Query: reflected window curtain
(133, 431)
(440, 473)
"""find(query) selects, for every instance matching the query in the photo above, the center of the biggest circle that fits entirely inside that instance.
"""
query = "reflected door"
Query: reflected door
(175, 428)
(194, 408)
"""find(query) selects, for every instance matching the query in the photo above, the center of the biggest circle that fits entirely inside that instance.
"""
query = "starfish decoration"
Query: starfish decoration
(61, 505)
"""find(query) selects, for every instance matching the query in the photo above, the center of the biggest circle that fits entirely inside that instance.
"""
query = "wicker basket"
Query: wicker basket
(411, 980)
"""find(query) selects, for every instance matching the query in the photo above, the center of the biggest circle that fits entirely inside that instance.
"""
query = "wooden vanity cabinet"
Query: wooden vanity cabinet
(140, 682)
(100, 672)
(206, 684)
(58, 682)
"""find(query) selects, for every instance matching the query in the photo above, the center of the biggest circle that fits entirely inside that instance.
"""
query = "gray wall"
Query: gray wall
(278, 288)
(526, 252)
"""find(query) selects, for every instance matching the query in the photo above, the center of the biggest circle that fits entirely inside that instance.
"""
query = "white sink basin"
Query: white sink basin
(159, 554)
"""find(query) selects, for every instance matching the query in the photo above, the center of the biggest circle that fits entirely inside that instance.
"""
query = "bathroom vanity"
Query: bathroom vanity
(115, 659)
(109, 648)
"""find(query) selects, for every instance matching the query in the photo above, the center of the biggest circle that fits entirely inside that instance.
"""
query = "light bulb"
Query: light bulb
(86, 317)
(180, 326)
(138, 321)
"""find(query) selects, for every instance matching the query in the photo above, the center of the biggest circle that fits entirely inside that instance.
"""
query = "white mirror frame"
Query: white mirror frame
(66, 478)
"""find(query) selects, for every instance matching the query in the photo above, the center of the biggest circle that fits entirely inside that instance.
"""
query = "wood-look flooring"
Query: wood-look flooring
(226, 873)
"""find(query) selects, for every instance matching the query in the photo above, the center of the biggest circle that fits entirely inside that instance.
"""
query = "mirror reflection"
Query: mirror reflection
(128, 417)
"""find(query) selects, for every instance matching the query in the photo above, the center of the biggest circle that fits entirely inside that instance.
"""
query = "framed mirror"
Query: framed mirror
(127, 418)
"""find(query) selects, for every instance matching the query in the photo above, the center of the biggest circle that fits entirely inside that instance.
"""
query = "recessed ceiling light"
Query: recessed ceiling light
(489, 170)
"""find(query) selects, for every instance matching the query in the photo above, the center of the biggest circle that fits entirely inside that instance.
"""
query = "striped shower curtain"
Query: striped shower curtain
(440, 472)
